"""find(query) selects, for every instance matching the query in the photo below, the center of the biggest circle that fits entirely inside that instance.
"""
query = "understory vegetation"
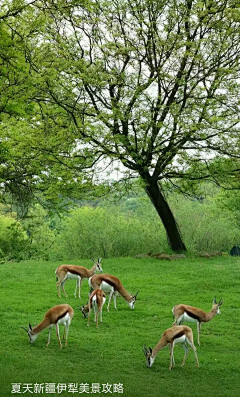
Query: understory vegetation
(113, 354)
(123, 227)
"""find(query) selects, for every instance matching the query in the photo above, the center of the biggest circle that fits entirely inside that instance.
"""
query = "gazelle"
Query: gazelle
(65, 272)
(96, 301)
(191, 314)
(60, 314)
(177, 334)
(112, 285)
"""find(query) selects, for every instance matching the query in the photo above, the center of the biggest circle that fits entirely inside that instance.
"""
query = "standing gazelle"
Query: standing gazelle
(191, 314)
(112, 285)
(60, 314)
(65, 272)
(176, 334)
(96, 301)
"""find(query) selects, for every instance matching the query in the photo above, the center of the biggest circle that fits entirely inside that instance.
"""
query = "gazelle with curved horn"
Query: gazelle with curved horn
(112, 285)
(177, 334)
(79, 273)
(96, 301)
(192, 314)
(60, 314)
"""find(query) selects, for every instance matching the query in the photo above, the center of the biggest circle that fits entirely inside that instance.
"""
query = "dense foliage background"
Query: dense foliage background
(125, 226)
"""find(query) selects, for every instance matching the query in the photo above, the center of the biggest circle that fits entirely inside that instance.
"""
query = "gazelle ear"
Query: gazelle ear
(150, 349)
(214, 301)
(99, 260)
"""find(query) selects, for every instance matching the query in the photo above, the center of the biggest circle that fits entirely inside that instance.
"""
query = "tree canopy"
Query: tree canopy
(154, 85)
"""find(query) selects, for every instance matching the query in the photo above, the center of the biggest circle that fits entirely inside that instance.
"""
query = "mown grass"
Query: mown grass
(113, 354)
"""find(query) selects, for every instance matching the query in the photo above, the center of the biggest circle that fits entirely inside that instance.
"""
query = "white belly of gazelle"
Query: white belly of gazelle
(64, 319)
(106, 287)
(73, 276)
(181, 339)
(189, 319)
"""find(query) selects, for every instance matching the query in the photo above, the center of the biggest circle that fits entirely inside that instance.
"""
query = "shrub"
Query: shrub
(13, 239)
(89, 232)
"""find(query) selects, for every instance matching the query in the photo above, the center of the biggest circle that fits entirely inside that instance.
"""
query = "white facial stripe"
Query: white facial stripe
(131, 304)
(152, 361)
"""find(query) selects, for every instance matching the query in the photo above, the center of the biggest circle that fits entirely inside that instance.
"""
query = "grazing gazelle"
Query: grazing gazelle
(176, 334)
(65, 272)
(191, 314)
(96, 301)
(60, 314)
(112, 285)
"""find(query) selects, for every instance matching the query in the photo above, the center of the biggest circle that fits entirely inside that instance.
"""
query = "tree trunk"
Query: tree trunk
(154, 193)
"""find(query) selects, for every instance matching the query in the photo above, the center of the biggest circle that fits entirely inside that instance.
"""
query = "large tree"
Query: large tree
(29, 169)
(152, 84)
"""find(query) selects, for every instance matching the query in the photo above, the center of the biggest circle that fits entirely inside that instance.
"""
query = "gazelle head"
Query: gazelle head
(31, 335)
(132, 301)
(84, 309)
(148, 355)
(98, 264)
(216, 306)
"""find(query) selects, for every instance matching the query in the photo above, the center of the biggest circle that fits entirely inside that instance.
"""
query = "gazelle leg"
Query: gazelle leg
(97, 317)
(57, 330)
(189, 340)
(110, 297)
(58, 288)
(75, 293)
(185, 355)
(115, 301)
(171, 356)
(89, 315)
(49, 335)
(66, 328)
(79, 288)
(62, 286)
(198, 333)
(101, 315)
(95, 313)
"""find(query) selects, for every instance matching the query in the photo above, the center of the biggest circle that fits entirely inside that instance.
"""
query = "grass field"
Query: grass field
(113, 354)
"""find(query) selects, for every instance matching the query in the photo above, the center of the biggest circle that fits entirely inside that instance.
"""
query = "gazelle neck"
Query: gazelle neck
(125, 295)
(160, 345)
(40, 327)
(92, 271)
(210, 315)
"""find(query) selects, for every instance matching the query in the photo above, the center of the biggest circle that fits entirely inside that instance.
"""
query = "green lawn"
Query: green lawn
(113, 354)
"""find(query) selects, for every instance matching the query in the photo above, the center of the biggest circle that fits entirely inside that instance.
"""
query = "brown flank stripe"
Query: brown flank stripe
(106, 280)
(74, 272)
(181, 333)
(61, 316)
(190, 314)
